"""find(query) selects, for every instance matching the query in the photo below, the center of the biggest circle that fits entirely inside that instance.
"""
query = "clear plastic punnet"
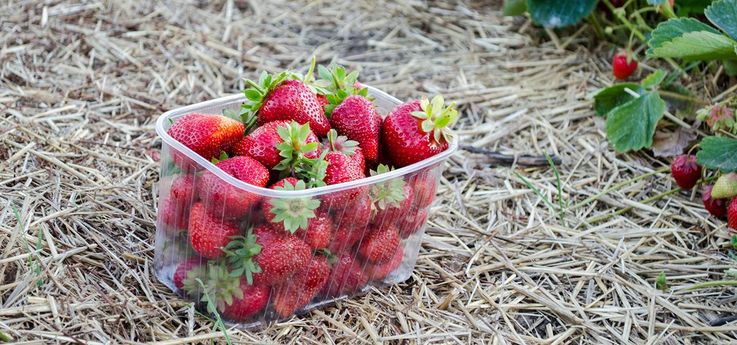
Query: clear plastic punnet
(195, 194)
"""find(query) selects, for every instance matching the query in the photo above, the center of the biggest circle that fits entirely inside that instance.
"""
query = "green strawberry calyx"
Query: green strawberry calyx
(437, 118)
(294, 146)
(387, 194)
(215, 285)
(338, 85)
(239, 253)
(340, 143)
(293, 213)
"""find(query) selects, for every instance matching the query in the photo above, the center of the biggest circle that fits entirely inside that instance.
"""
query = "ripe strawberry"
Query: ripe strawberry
(173, 215)
(319, 231)
(345, 160)
(380, 244)
(344, 238)
(623, 66)
(380, 271)
(392, 199)
(302, 287)
(183, 190)
(356, 214)
(322, 100)
(716, 207)
(205, 134)
(263, 143)
(685, 171)
(732, 214)
(412, 223)
(254, 299)
(209, 234)
(290, 214)
(346, 276)
(417, 130)
(225, 200)
(356, 118)
(185, 268)
(424, 184)
(274, 98)
(268, 257)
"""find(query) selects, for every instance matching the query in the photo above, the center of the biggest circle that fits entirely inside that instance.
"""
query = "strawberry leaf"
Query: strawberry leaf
(631, 126)
(556, 14)
(514, 7)
(718, 153)
(611, 97)
(723, 14)
(701, 45)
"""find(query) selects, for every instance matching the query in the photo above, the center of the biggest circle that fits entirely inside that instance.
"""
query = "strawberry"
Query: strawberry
(183, 190)
(412, 223)
(302, 287)
(685, 171)
(188, 269)
(290, 214)
(254, 300)
(345, 163)
(356, 118)
(356, 214)
(275, 98)
(234, 298)
(322, 100)
(345, 276)
(209, 234)
(263, 143)
(380, 271)
(716, 207)
(380, 244)
(732, 214)
(225, 200)
(205, 134)
(424, 184)
(319, 231)
(173, 215)
(267, 257)
(392, 199)
(725, 187)
(623, 66)
(344, 238)
(417, 130)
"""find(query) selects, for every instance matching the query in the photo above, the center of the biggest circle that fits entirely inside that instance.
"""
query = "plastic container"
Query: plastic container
(238, 206)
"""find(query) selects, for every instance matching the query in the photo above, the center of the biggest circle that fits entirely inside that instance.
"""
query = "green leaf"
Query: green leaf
(688, 7)
(514, 7)
(677, 27)
(631, 126)
(699, 45)
(654, 79)
(611, 97)
(661, 282)
(718, 153)
(252, 94)
(556, 14)
(723, 14)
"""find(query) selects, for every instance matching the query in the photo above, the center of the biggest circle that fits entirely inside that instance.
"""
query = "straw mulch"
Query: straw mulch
(81, 85)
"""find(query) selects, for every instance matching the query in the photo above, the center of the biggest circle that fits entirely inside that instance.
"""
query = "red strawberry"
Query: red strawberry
(356, 214)
(412, 223)
(183, 190)
(346, 276)
(302, 287)
(685, 171)
(380, 244)
(623, 66)
(184, 269)
(356, 118)
(209, 234)
(262, 144)
(344, 238)
(225, 200)
(380, 271)
(291, 214)
(732, 214)
(205, 134)
(322, 100)
(345, 164)
(173, 215)
(417, 130)
(393, 199)
(273, 98)
(716, 207)
(424, 184)
(254, 300)
(319, 231)
(270, 257)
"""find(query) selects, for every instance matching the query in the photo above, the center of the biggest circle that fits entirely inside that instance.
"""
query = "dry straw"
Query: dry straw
(504, 261)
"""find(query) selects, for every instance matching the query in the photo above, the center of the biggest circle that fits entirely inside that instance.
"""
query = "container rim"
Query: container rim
(268, 192)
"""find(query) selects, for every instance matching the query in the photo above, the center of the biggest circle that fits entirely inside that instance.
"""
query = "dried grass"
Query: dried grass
(80, 88)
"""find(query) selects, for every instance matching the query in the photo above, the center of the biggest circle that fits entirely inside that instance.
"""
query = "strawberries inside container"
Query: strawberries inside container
(348, 247)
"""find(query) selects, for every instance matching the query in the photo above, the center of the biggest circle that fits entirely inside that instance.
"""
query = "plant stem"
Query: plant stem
(675, 95)
(5, 338)
(714, 283)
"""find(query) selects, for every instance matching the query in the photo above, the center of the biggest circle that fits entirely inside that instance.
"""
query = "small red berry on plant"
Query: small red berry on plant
(623, 66)
(685, 171)
(716, 207)
(732, 214)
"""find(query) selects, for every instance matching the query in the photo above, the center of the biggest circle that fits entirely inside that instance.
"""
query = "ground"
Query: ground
(503, 261)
